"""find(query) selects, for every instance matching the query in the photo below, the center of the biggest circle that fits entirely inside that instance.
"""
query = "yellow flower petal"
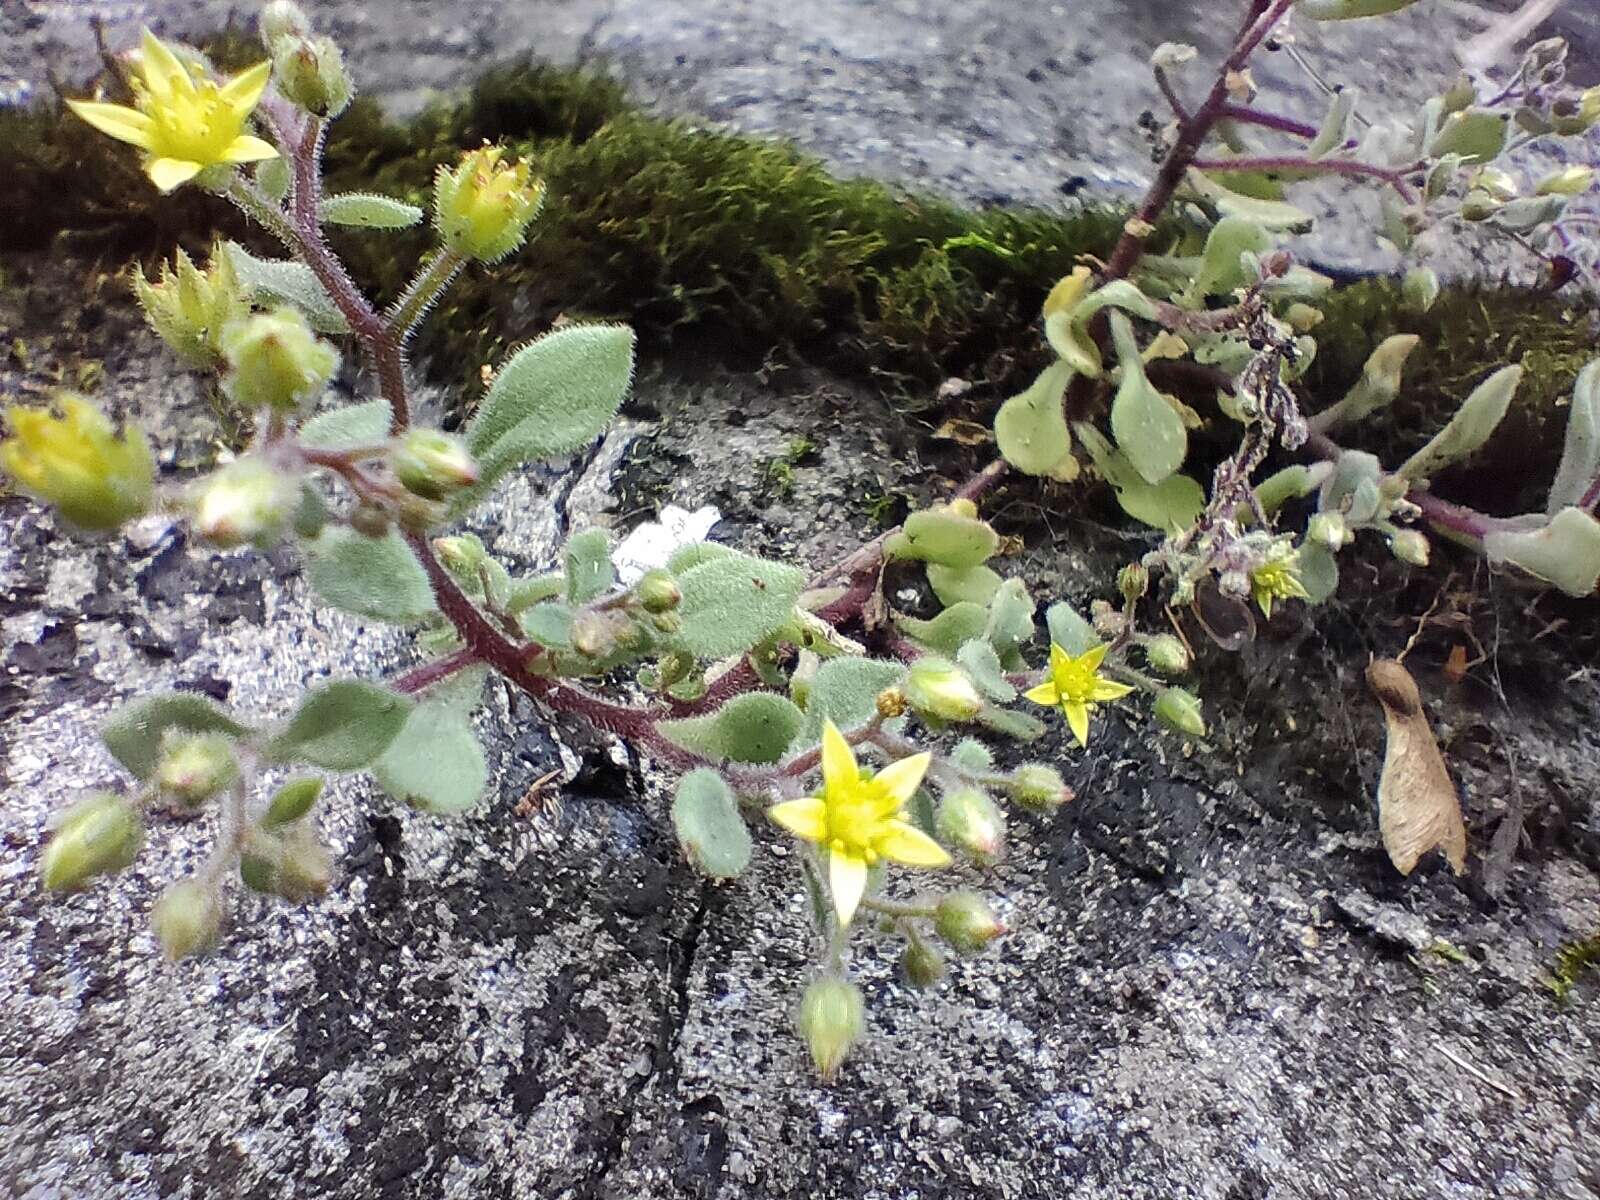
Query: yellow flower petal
(124, 124)
(1045, 694)
(1058, 656)
(1107, 689)
(847, 879)
(907, 844)
(168, 173)
(838, 760)
(242, 91)
(807, 818)
(161, 69)
(245, 148)
(1078, 721)
(1094, 656)
(901, 779)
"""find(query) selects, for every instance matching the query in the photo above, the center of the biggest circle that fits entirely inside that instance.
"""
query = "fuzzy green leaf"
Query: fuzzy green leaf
(554, 396)
(976, 585)
(1221, 267)
(436, 764)
(347, 426)
(1470, 428)
(732, 601)
(590, 572)
(528, 591)
(343, 726)
(706, 817)
(1565, 552)
(845, 691)
(754, 728)
(1580, 456)
(1069, 630)
(377, 578)
(549, 624)
(1012, 724)
(1336, 124)
(1010, 623)
(973, 755)
(944, 537)
(1319, 572)
(983, 664)
(1347, 10)
(1147, 428)
(696, 553)
(133, 732)
(367, 210)
(282, 281)
(945, 633)
(1031, 428)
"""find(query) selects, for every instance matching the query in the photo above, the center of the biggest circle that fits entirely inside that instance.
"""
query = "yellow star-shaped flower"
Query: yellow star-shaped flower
(1277, 579)
(859, 819)
(1075, 686)
(183, 121)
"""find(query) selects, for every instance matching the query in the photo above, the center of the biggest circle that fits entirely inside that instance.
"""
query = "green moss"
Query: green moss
(1571, 962)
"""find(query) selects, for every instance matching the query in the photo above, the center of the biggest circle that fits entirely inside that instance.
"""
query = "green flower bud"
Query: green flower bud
(658, 591)
(1039, 788)
(275, 360)
(1571, 117)
(432, 464)
(309, 71)
(1179, 710)
(1329, 529)
(195, 767)
(1409, 546)
(592, 635)
(246, 501)
(832, 1019)
(370, 520)
(941, 690)
(281, 19)
(1478, 206)
(97, 835)
(293, 866)
(187, 919)
(970, 819)
(461, 555)
(484, 206)
(1133, 581)
(667, 622)
(922, 963)
(1167, 654)
(78, 462)
(189, 308)
(966, 922)
(1572, 181)
(292, 801)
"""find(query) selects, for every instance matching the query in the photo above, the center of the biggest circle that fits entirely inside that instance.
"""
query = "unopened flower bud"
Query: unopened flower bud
(292, 801)
(1178, 709)
(667, 622)
(970, 819)
(77, 461)
(922, 963)
(966, 922)
(1133, 581)
(1039, 788)
(309, 71)
(246, 501)
(293, 866)
(1479, 206)
(97, 835)
(1409, 546)
(1330, 530)
(189, 308)
(658, 591)
(281, 19)
(462, 555)
(941, 690)
(592, 635)
(370, 520)
(832, 1018)
(1167, 654)
(195, 766)
(432, 464)
(1571, 116)
(891, 703)
(275, 360)
(484, 206)
(187, 919)
(1570, 181)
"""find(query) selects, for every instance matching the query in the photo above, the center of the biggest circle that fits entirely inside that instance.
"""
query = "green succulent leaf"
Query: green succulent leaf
(552, 397)
(436, 764)
(1275, 216)
(378, 578)
(1565, 552)
(590, 571)
(1348, 10)
(1173, 505)
(1319, 572)
(983, 664)
(1069, 629)
(754, 728)
(943, 537)
(1336, 124)
(1469, 429)
(845, 691)
(1068, 330)
(269, 281)
(1476, 134)
(732, 601)
(1222, 265)
(1010, 623)
(946, 633)
(1031, 428)
(1012, 724)
(1580, 456)
(348, 426)
(342, 726)
(133, 732)
(367, 210)
(1148, 429)
(706, 817)
(976, 585)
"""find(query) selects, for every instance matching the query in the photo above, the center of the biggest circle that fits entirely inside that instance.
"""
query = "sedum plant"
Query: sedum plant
(738, 673)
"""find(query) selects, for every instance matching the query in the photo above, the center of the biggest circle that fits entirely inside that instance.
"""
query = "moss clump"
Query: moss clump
(1467, 334)
(1573, 959)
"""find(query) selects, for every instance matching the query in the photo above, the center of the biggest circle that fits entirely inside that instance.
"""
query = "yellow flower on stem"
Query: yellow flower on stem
(1075, 686)
(76, 460)
(1277, 579)
(859, 819)
(183, 121)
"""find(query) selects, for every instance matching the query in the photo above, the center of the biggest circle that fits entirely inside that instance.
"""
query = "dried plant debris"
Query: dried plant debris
(1418, 808)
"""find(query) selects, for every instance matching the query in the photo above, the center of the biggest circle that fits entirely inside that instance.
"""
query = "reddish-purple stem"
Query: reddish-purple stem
(1247, 115)
(429, 673)
(1394, 177)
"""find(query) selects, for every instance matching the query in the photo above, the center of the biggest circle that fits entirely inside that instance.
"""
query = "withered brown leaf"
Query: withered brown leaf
(1418, 809)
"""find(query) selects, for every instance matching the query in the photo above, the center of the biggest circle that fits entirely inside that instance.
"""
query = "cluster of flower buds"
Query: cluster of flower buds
(189, 308)
(72, 456)
(483, 206)
(307, 67)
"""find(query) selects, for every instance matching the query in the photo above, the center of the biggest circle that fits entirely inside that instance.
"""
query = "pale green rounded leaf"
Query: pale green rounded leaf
(371, 577)
(1580, 456)
(133, 732)
(1565, 552)
(845, 691)
(732, 601)
(367, 210)
(976, 585)
(436, 764)
(1148, 429)
(706, 818)
(590, 572)
(755, 728)
(343, 726)
(1031, 429)
(944, 537)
